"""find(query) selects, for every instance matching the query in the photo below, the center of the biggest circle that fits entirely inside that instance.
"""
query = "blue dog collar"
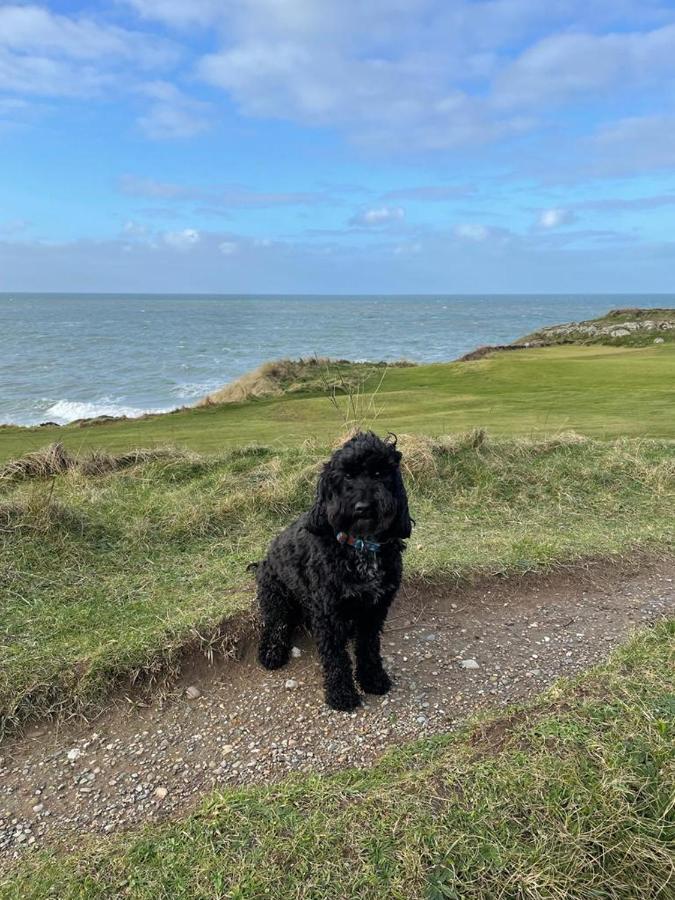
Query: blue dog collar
(357, 543)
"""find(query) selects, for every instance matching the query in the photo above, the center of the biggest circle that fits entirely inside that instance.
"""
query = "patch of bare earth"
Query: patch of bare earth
(450, 652)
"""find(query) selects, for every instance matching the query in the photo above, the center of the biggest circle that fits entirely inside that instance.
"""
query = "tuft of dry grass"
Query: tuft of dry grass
(55, 460)
(52, 460)
(289, 376)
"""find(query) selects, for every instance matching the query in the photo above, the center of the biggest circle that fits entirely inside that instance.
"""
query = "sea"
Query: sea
(71, 356)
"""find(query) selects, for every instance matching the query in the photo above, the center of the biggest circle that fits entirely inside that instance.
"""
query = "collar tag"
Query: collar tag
(359, 544)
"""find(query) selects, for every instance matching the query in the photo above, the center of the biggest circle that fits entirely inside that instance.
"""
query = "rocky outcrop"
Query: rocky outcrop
(597, 330)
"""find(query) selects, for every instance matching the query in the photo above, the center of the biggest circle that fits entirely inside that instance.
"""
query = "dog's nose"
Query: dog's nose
(361, 507)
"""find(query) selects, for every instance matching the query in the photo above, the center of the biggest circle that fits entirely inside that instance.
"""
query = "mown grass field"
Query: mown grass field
(569, 798)
(603, 392)
(107, 575)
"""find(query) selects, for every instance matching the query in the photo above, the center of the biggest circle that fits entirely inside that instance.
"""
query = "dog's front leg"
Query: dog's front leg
(369, 669)
(331, 639)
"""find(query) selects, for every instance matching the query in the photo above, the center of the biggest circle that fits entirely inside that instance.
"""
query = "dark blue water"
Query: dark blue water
(67, 356)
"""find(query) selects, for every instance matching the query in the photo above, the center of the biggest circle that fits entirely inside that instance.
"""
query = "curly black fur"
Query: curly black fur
(340, 592)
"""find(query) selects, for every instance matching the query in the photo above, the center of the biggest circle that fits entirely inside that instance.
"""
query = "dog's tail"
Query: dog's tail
(252, 567)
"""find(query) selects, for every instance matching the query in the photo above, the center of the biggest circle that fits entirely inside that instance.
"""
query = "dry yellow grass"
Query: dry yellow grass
(288, 376)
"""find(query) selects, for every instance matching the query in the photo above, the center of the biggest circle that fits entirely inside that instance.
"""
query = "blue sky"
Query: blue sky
(337, 146)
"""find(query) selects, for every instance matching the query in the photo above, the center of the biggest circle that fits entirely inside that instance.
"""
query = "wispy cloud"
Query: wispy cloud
(218, 196)
(48, 54)
(555, 217)
(472, 232)
(172, 113)
(627, 204)
(430, 193)
(182, 240)
(378, 216)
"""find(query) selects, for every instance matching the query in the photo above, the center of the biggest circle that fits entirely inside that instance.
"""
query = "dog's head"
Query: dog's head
(361, 491)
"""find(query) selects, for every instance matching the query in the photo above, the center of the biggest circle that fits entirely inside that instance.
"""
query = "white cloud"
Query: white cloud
(633, 144)
(472, 232)
(45, 53)
(28, 28)
(134, 229)
(228, 248)
(378, 69)
(412, 248)
(554, 217)
(377, 216)
(179, 13)
(423, 73)
(149, 187)
(562, 66)
(182, 240)
(172, 114)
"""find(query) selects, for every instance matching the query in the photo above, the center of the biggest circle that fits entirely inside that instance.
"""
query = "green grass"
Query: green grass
(103, 576)
(604, 392)
(569, 798)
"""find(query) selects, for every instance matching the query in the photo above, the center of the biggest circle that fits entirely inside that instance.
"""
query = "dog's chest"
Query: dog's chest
(363, 575)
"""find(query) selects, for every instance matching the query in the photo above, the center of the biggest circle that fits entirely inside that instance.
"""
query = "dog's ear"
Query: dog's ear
(402, 524)
(317, 518)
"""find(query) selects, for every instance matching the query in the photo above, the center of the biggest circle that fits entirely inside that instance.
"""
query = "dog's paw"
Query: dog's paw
(375, 682)
(344, 700)
(273, 656)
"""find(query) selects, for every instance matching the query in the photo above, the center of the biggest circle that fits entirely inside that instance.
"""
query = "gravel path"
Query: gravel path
(449, 652)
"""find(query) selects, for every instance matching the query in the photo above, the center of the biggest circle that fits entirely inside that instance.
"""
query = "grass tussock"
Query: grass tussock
(55, 460)
(105, 576)
(289, 376)
(568, 797)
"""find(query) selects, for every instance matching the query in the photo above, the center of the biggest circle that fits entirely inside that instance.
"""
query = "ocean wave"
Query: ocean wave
(64, 411)
(196, 389)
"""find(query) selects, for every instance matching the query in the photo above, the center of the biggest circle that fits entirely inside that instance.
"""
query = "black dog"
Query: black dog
(338, 567)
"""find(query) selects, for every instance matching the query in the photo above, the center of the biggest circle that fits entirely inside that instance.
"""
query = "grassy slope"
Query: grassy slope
(570, 797)
(101, 576)
(288, 376)
(605, 392)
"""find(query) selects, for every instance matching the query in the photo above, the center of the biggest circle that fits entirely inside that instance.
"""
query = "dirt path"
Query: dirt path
(137, 765)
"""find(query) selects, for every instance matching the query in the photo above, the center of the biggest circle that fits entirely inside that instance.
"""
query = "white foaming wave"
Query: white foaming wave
(64, 411)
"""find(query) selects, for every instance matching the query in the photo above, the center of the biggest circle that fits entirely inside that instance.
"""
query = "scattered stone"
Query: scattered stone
(193, 692)
(161, 793)
(469, 664)
(290, 684)
(296, 652)
(74, 754)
